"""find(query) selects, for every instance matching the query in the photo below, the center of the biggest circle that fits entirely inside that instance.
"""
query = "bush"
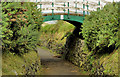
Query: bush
(100, 28)
(20, 26)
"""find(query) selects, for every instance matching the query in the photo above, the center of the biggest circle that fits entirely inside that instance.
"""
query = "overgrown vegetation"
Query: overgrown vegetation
(100, 29)
(53, 35)
(20, 26)
(28, 64)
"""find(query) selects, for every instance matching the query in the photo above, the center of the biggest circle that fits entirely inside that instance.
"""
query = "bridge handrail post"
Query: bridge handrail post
(76, 7)
(68, 10)
(87, 8)
(98, 5)
(64, 7)
(52, 11)
(83, 8)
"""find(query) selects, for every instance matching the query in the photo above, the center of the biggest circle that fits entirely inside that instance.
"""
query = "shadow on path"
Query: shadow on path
(56, 66)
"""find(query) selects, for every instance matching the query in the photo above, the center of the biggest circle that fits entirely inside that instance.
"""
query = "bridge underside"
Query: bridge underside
(76, 20)
(71, 17)
(75, 23)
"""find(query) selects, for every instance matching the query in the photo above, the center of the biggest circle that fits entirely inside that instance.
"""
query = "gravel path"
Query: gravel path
(56, 66)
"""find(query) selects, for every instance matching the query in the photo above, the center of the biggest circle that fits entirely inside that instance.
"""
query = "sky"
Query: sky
(79, 0)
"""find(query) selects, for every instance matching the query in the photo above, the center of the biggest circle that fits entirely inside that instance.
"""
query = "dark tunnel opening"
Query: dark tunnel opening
(77, 29)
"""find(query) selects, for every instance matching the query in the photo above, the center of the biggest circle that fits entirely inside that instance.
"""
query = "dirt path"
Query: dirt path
(56, 66)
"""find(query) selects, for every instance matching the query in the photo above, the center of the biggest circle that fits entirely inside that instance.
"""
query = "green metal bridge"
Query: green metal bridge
(74, 10)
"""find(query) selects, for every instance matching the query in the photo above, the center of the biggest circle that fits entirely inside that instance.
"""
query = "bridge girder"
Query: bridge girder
(65, 18)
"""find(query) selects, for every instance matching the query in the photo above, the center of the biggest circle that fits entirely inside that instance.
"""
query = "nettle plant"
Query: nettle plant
(100, 28)
(20, 26)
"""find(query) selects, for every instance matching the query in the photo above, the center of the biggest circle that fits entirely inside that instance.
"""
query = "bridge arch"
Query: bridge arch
(60, 16)
(72, 11)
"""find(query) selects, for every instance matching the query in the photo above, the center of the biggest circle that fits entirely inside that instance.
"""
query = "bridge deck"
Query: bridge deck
(74, 14)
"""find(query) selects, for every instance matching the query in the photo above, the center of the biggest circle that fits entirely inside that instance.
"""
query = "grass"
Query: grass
(43, 48)
(109, 61)
(56, 32)
(15, 65)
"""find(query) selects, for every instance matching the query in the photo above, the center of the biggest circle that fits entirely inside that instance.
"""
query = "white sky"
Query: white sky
(77, 0)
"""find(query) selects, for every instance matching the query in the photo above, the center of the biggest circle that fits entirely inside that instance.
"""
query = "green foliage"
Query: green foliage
(53, 36)
(60, 26)
(20, 26)
(100, 28)
(14, 64)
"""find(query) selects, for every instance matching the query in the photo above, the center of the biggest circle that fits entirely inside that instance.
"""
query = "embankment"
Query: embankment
(27, 64)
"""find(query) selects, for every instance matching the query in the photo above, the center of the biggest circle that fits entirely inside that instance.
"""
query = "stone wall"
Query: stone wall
(76, 53)
(33, 69)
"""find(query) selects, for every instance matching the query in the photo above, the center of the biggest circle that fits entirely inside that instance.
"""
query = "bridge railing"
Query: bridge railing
(67, 6)
(66, 10)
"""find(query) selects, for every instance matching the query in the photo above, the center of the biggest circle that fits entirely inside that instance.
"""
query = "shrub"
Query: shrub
(100, 28)
(20, 26)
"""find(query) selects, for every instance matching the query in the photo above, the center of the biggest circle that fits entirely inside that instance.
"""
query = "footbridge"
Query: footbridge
(70, 10)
